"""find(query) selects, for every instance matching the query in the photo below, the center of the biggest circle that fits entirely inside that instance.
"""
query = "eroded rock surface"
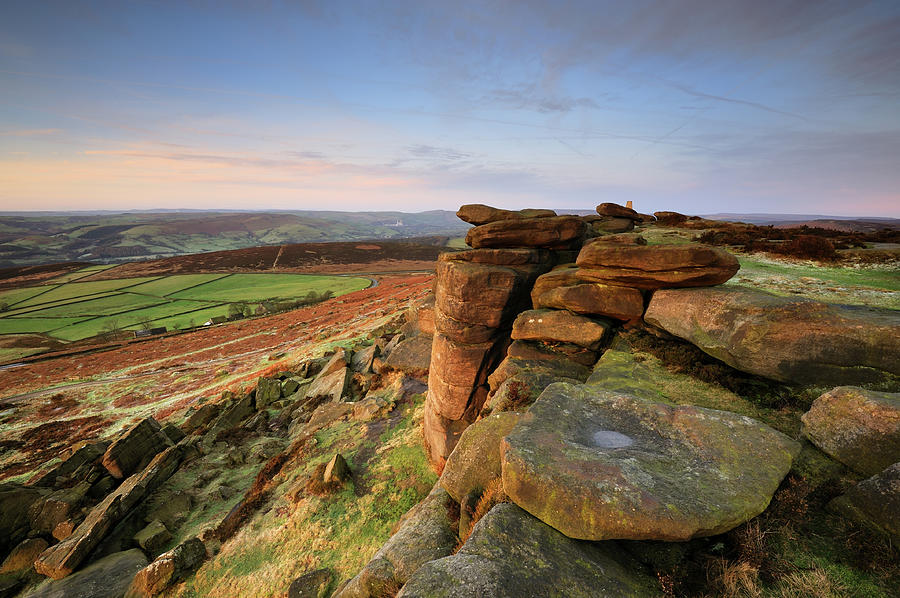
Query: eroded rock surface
(621, 303)
(109, 577)
(860, 428)
(786, 339)
(601, 465)
(477, 214)
(655, 266)
(475, 461)
(560, 232)
(134, 448)
(874, 502)
(510, 554)
(560, 326)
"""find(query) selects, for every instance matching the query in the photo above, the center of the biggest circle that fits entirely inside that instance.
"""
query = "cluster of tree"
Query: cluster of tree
(242, 309)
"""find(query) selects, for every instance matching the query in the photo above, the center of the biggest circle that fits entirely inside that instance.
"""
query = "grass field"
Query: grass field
(69, 310)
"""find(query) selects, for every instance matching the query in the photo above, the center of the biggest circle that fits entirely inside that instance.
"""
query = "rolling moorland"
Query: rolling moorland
(42, 238)
(290, 445)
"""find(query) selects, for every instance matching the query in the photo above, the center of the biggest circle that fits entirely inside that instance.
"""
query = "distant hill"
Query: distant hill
(840, 223)
(30, 238)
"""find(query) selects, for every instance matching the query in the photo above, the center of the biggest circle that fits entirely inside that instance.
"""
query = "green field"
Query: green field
(69, 310)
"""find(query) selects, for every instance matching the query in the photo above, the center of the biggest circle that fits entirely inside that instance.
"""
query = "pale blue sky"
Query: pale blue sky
(696, 106)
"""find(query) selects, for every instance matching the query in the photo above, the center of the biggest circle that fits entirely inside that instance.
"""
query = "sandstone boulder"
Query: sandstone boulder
(135, 448)
(22, 557)
(860, 428)
(874, 502)
(621, 303)
(510, 554)
(167, 569)
(655, 266)
(311, 585)
(615, 210)
(560, 232)
(75, 467)
(787, 339)
(513, 366)
(475, 461)
(108, 577)
(56, 507)
(15, 502)
(441, 434)
(364, 358)
(200, 418)
(458, 375)
(337, 470)
(412, 357)
(518, 392)
(153, 537)
(425, 533)
(477, 214)
(425, 315)
(330, 385)
(500, 257)
(268, 390)
(598, 465)
(549, 325)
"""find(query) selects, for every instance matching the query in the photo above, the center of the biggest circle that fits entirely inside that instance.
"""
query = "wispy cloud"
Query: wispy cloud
(30, 133)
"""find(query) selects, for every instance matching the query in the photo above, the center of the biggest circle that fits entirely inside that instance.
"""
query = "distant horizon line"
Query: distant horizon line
(718, 215)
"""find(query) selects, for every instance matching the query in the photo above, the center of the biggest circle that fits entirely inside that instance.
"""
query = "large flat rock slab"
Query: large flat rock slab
(786, 339)
(559, 232)
(510, 554)
(550, 325)
(477, 214)
(655, 266)
(600, 465)
(860, 428)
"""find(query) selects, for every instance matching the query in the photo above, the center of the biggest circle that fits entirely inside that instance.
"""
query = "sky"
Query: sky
(709, 106)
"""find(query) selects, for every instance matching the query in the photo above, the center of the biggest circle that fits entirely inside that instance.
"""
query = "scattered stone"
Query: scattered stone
(339, 361)
(614, 210)
(363, 359)
(599, 465)
(170, 507)
(326, 414)
(337, 470)
(412, 357)
(311, 585)
(560, 232)
(478, 214)
(621, 303)
(424, 534)
(75, 467)
(370, 408)
(135, 448)
(15, 502)
(62, 559)
(22, 557)
(289, 386)
(786, 339)
(510, 554)
(168, 568)
(268, 390)
(560, 326)
(655, 266)
(392, 344)
(860, 428)
(153, 537)
(874, 502)
(66, 528)
(232, 416)
(108, 577)
(475, 461)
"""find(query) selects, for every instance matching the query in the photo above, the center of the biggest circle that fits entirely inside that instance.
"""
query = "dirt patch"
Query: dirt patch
(59, 404)
(369, 247)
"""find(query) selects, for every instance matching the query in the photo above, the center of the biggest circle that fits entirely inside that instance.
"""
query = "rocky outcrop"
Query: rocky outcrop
(76, 467)
(860, 428)
(425, 534)
(560, 232)
(667, 218)
(655, 266)
(786, 339)
(874, 502)
(167, 569)
(15, 503)
(475, 461)
(268, 390)
(477, 214)
(135, 448)
(614, 210)
(108, 577)
(478, 293)
(62, 559)
(411, 356)
(510, 554)
(598, 465)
